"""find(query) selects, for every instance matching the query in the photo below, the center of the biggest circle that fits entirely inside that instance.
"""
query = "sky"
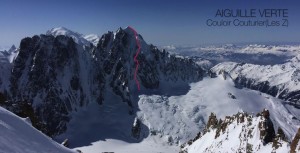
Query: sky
(160, 22)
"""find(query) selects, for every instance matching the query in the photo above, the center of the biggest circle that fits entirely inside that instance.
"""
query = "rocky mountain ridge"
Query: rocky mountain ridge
(241, 132)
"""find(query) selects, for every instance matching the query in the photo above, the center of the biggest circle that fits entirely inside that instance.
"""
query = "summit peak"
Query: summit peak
(77, 37)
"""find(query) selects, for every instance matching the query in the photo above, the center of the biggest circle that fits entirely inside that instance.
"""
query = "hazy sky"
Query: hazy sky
(160, 22)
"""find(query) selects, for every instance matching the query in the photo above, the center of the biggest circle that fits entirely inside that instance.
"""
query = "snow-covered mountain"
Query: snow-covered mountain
(77, 37)
(241, 133)
(9, 54)
(279, 80)
(7, 58)
(17, 135)
(59, 74)
(83, 88)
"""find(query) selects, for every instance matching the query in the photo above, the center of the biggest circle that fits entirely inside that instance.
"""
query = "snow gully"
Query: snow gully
(135, 57)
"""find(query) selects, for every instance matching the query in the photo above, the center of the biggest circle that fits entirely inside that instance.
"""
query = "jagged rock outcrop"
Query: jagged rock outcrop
(60, 72)
(42, 75)
(238, 133)
(136, 128)
(212, 121)
(267, 132)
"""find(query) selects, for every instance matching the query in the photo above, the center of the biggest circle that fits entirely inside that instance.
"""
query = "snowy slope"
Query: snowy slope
(181, 117)
(170, 121)
(18, 136)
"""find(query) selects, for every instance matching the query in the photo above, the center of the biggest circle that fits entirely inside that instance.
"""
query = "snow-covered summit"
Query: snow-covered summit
(7, 58)
(62, 31)
(77, 37)
(12, 53)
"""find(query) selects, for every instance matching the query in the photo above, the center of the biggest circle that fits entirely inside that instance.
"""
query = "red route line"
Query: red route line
(135, 57)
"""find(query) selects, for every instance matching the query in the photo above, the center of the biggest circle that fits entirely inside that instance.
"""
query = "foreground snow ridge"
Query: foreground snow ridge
(240, 133)
(18, 136)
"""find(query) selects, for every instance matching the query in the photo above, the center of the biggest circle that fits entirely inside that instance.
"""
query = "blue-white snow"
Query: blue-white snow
(18, 136)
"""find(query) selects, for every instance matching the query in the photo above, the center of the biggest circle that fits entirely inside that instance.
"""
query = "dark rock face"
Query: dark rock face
(267, 132)
(136, 128)
(278, 139)
(2, 98)
(58, 76)
(36, 75)
(296, 143)
(212, 121)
